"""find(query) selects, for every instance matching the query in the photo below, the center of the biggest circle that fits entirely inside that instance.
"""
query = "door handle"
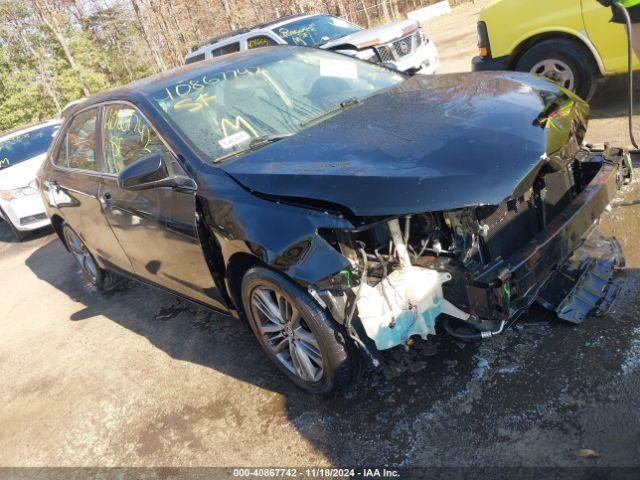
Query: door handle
(107, 199)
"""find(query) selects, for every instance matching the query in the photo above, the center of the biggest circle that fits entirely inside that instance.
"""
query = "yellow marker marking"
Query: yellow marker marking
(194, 105)
(238, 124)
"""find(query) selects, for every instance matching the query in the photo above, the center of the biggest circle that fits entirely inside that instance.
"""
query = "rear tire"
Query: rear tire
(103, 280)
(300, 337)
(563, 61)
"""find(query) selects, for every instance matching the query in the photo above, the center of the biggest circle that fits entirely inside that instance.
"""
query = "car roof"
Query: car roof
(149, 85)
(242, 31)
(288, 19)
(28, 128)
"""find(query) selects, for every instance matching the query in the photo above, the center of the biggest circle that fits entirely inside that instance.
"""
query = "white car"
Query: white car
(400, 45)
(21, 155)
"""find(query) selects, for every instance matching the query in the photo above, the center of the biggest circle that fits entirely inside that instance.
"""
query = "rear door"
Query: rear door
(75, 189)
(156, 226)
(610, 39)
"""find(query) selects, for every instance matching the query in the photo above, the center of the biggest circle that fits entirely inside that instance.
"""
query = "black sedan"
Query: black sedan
(341, 207)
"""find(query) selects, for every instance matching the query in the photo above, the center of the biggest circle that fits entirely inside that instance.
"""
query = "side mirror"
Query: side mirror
(145, 173)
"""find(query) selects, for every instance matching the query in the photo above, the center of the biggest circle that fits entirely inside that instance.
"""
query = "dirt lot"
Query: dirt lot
(139, 378)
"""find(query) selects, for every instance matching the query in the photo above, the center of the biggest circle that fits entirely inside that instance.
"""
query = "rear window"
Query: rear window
(25, 146)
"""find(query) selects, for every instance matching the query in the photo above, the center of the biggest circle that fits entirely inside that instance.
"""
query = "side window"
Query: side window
(78, 148)
(231, 48)
(260, 41)
(128, 137)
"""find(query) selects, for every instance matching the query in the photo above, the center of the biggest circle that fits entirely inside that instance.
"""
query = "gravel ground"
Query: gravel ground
(140, 378)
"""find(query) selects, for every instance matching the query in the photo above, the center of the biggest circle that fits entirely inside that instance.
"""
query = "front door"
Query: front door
(610, 39)
(156, 226)
(75, 191)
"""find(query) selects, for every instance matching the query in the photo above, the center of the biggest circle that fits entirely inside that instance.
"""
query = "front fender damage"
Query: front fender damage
(477, 270)
(474, 270)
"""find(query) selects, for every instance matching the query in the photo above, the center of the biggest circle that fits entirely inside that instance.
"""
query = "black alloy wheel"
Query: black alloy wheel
(300, 337)
(98, 277)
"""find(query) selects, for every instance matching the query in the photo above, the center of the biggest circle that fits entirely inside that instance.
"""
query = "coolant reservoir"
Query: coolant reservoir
(406, 303)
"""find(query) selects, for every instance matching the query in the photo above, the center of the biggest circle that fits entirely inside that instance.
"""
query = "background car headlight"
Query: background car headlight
(9, 195)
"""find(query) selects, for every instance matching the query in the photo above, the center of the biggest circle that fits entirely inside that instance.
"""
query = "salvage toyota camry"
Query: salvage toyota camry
(340, 206)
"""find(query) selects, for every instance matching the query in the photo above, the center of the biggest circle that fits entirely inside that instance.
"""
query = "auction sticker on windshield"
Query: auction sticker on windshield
(235, 139)
(338, 68)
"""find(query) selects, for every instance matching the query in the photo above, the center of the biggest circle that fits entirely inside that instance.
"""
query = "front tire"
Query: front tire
(563, 61)
(18, 234)
(301, 338)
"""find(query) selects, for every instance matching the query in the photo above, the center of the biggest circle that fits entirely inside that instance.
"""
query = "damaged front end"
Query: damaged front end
(477, 269)
(470, 198)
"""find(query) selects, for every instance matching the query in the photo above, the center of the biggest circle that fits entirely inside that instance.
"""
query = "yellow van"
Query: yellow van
(572, 42)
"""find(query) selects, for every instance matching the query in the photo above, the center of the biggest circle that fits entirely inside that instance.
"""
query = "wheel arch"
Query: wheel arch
(56, 222)
(239, 264)
(578, 38)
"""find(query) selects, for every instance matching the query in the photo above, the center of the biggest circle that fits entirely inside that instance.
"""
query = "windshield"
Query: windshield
(25, 146)
(314, 31)
(274, 94)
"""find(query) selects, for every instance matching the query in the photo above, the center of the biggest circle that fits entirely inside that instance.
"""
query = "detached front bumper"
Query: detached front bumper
(509, 287)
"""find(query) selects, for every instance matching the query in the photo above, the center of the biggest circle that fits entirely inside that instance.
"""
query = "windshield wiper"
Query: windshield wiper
(254, 144)
(349, 102)
(264, 140)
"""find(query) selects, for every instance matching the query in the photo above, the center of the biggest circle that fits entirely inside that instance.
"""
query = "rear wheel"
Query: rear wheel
(565, 62)
(297, 334)
(98, 277)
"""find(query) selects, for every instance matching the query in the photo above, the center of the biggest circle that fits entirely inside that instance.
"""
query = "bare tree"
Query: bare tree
(46, 13)
(160, 64)
(227, 11)
(365, 10)
(14, 29)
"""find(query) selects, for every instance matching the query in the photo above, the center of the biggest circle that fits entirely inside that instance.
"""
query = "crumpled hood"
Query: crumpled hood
(21, 174)
(428, 144)
(375, 36)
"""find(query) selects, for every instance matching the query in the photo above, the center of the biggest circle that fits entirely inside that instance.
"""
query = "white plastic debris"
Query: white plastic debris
(405, 303)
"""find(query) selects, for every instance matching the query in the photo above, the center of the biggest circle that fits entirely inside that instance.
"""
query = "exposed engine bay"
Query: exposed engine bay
(477, 269)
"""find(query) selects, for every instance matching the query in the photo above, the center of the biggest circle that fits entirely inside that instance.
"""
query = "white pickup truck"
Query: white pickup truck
(400, 45)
